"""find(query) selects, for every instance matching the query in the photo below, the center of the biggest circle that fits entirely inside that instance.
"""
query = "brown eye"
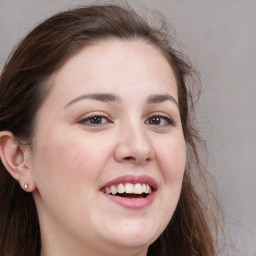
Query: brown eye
(95, 120)
(155, 120)
(159, 121)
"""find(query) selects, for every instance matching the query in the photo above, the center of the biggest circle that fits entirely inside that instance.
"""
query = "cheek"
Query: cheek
(69, 160)
(171, 162)
(172, 158)
(66, 171)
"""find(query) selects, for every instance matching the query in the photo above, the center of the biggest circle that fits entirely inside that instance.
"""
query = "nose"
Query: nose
(134, 146)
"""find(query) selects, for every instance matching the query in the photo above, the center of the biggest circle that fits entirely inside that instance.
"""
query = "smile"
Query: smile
(129, 191)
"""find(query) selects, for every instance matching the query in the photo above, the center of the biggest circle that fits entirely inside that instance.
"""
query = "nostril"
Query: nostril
(129, 158)
(148, 159)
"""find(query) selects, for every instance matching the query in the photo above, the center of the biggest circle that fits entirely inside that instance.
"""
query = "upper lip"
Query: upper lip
(143, 179)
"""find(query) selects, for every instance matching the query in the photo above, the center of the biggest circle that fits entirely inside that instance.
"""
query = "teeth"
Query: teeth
(113, 189)
(137, 189)
(120, 188)
(128, 188)
(144, 188)
(108, 190)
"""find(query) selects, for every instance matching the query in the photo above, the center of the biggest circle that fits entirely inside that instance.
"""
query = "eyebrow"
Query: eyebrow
(159, 98)
(109, 97)
(104, 97)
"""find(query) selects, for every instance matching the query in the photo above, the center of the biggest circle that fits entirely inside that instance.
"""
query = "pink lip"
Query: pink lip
(135, 203)
(132, 179)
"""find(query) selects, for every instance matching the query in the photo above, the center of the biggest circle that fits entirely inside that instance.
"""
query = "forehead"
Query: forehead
(115, 66)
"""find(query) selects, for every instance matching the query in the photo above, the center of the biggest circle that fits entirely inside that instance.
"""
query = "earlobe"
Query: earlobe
(13, 158)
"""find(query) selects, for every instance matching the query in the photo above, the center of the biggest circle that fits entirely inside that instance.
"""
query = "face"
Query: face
(109, 152)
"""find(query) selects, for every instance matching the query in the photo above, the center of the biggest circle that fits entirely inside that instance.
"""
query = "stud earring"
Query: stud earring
(26, 185)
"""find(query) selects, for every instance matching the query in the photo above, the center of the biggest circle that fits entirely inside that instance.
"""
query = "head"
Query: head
(70, 125)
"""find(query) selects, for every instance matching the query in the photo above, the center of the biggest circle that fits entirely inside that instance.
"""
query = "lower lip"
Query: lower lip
(135, 203)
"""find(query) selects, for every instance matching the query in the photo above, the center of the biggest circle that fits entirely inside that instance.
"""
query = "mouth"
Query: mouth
(134, 192)
(128, 190)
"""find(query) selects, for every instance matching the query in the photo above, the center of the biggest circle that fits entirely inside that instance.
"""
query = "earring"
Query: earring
(26, 185)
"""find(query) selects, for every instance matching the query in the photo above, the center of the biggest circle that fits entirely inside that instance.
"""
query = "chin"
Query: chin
(131, 244)
(135, 236)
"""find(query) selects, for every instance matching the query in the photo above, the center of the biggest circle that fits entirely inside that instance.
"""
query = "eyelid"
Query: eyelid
(90, 115)
(162, 115)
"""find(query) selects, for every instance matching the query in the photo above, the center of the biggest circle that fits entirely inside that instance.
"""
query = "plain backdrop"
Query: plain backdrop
(220, 38)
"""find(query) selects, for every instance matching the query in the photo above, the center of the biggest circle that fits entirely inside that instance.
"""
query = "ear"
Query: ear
(16, 159)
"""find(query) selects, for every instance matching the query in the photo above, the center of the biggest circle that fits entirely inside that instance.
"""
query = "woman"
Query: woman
(97, 145)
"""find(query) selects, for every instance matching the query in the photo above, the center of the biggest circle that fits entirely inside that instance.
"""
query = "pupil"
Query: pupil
(96, 120)
(155, 120)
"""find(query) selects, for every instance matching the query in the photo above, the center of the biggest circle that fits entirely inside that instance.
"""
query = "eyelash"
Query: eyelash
(158, 117)
(88, 119)
(96, 120)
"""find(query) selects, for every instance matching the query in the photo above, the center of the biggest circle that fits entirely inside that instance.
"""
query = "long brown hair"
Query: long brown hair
(23, 88)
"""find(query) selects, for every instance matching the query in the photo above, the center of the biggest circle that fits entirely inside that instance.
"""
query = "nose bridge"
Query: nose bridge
(140, 136)
(134, 143)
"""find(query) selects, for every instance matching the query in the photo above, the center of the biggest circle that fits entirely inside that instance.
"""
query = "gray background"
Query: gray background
(220, 37)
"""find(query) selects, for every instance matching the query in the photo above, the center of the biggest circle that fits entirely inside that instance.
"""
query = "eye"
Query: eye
(160, 120)
(94, 120)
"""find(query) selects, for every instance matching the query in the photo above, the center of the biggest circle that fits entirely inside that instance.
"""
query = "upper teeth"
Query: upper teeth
(128, 188)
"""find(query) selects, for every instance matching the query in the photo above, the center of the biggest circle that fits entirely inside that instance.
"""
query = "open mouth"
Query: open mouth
(128, 190)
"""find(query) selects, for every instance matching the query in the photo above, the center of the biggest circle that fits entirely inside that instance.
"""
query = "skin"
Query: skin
(72, 158)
